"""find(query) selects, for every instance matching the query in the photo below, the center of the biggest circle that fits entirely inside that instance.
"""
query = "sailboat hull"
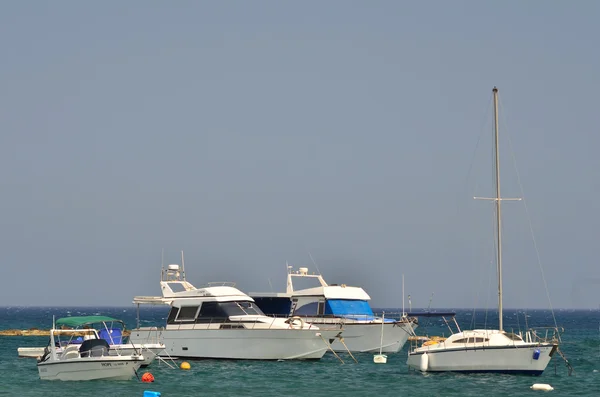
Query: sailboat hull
(513, 359)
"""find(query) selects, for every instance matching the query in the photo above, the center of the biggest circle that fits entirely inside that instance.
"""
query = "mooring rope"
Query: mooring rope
(329, 346)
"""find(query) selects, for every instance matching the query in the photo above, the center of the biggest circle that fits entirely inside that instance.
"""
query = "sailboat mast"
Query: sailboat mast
(498, 208)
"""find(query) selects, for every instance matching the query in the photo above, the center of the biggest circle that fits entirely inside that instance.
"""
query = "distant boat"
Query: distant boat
(483, 350)
(341, 305)
(220, 321)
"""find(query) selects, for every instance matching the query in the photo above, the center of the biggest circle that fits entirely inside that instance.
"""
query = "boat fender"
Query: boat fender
(542, 386)
(536, 354)
(148, 393)
(424, 364)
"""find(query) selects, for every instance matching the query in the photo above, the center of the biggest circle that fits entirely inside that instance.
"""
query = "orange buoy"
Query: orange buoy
(148, 377)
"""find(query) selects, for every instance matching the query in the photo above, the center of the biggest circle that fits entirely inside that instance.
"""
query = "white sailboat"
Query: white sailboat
(485, 350)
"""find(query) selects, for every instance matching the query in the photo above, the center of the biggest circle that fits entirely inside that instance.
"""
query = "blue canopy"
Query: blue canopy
(358, 309)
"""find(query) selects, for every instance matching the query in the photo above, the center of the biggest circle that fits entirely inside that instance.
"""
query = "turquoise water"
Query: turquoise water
(327, 377)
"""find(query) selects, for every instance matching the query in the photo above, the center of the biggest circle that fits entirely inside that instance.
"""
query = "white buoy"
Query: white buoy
(424, 362)
(542, 386)
(380, 359)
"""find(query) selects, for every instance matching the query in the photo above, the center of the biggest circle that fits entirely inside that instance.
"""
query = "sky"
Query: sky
(251, 134)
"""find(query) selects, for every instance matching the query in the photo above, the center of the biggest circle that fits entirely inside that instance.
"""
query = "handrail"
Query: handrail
(218, 284)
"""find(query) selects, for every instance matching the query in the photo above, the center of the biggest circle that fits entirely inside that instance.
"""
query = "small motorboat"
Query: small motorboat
(99, 327)
(90, 360)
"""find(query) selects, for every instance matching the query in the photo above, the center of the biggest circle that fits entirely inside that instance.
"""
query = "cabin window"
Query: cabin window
(176, 287)
(210, 311)
(187, 313)
(310, 309)
(231, 326)
(321, 308)
(274, 306)
(172, 315)
(471, 340)
(249, 308)
(240, 308)
(220, 311)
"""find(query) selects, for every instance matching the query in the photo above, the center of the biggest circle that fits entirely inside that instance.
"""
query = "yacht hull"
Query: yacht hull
(366, 337)
(240, 344)
(501, 359)
(109, 368)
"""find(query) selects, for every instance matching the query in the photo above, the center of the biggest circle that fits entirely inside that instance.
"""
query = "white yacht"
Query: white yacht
(89, 361)
(220, 321)
(110, 329)
(340, 305)
(483, 350)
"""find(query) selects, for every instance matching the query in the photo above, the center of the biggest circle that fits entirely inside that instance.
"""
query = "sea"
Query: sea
(325, 377)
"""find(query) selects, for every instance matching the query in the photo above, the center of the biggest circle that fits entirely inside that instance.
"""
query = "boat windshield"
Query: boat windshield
(240, 308)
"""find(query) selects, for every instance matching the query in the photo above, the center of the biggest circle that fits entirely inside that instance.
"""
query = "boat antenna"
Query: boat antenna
(162, 263)
(182, 266)
(403, 311)
(314, 263)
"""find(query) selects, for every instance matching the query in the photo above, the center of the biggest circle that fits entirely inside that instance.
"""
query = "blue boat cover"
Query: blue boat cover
(357, 309)
(113, 336)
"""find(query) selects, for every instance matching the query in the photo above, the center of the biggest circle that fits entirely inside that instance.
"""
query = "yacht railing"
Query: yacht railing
(247, 322)
(218, 284)
(154, 336)
(335, 319)
(258, 322)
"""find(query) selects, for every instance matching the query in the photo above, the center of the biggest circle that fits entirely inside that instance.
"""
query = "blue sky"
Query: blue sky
(249, 134)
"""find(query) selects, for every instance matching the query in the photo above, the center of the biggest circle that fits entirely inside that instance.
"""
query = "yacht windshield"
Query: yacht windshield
(213, 312)
(240, 308)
